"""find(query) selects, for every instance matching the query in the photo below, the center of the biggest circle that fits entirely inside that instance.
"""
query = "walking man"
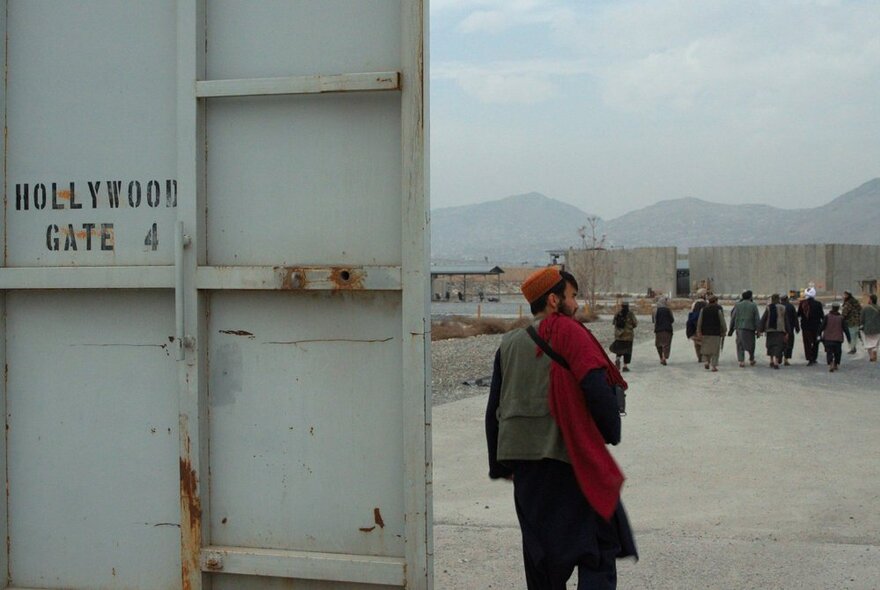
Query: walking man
(745, 320)
(691, 325)
(832, 332)
(663, 320)
(710, 330)
(625, 323)
(851, 312)
(546, 429)
(791, 323)
(870, 322)
(775, 325)
(810, 313)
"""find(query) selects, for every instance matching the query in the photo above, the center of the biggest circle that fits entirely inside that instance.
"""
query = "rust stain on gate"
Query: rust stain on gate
(338, 278)
(292, 277)
(190, 512)
(348, 279)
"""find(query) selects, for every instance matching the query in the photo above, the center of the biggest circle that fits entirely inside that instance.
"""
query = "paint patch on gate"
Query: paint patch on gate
(226, 374)
(238, 333)
(292, 278)
(377, 518)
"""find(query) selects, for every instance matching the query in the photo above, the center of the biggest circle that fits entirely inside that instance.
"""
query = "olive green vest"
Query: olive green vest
(526, 430)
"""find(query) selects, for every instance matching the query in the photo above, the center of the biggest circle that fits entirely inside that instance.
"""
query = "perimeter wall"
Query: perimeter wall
(852, 263)
(776, 269)
(630, 271)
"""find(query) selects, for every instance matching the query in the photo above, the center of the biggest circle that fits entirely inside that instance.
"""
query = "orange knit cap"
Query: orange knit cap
(539, 282)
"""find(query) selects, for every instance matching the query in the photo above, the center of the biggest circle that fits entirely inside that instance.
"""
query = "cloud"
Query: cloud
(510, 82)
(440, 6)
(723, 57)
(514, 14)
(496, 16)
(657, 98)
(502, 89)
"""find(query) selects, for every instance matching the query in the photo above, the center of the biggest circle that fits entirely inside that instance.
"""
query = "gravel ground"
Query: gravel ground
(459, 360)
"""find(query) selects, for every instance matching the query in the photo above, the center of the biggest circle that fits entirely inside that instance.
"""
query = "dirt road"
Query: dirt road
(745, 478)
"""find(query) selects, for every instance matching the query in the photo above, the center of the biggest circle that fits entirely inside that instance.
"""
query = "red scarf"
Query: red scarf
(597, 474)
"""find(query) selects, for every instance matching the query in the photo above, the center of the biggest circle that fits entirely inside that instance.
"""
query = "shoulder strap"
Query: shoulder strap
(546, 347)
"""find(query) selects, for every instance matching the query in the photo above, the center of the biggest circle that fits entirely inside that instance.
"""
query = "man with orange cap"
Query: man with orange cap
(547, 426)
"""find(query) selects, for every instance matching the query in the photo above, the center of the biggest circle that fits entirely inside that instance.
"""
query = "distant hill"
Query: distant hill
(852, 218)
(521, 228)
(514, 230)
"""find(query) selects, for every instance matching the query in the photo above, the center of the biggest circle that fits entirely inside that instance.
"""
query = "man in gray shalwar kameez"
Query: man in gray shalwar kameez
(745, 319)
(774, 324)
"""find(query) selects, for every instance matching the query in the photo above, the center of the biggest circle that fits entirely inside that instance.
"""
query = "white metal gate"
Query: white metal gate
(215, 307)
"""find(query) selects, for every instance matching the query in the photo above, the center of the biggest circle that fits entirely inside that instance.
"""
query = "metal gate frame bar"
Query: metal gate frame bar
(194, 491)
(4, 513)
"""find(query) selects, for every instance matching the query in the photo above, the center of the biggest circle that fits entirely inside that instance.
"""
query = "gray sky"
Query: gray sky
(614, 105)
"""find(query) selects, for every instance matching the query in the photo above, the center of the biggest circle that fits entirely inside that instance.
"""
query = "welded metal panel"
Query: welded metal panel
(272, 38)
(92, 441)
(90, 159)
(306, 412)
(304, 179)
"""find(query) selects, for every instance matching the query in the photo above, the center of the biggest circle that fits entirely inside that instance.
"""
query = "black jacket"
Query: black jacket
(711, 324)
(791, 316)
(663, 320)
(811, 313)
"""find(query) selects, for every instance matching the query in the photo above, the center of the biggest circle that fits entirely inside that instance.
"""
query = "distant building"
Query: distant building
(441, 275)
(729, 270)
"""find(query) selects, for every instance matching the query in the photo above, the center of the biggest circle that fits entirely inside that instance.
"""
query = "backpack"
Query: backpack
(690, 327)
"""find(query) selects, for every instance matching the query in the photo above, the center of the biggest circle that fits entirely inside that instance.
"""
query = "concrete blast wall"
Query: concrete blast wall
(776, 269)
(851, 264)
(631, 271)
(763, 269)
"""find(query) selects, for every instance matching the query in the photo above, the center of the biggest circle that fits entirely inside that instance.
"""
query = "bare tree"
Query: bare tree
(592, 264)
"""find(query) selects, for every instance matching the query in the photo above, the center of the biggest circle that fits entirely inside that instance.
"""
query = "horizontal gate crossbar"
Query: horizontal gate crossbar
(295, 278)
(360, 82)
(87, 277)
(305, 565)
(272, 278)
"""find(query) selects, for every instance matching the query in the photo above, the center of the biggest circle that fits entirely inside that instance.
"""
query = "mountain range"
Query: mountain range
(520, 229)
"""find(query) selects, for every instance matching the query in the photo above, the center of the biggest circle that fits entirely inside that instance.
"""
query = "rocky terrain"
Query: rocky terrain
(459, 360)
